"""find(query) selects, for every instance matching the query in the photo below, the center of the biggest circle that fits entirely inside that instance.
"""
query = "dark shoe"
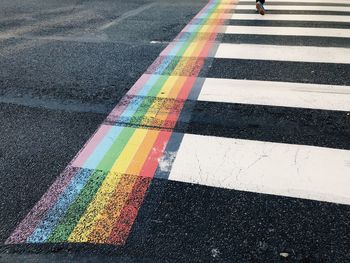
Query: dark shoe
(260, 8)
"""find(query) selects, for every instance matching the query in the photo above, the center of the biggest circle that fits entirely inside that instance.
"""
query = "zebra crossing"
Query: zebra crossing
(249, 107)
(292, 169)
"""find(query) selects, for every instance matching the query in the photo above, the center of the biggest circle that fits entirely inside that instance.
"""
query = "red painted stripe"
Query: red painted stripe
(151, 164)
(125, 221)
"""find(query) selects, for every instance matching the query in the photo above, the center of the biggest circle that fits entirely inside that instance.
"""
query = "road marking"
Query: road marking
(263, 167)
(290, 31)
(284, 53)
(324, 18)
(273, 93)
(297, 8)
(97, 197)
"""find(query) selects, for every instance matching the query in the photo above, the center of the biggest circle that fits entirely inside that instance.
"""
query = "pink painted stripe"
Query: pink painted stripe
(34, 217)
(123, 104)
(167, 50)
(134, 90)
(91, 145)
(205, 8)
(155, 65)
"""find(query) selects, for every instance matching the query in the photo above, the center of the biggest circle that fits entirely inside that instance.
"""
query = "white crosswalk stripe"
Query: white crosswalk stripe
(283, 17)
(264, 167)
(292, 31)
(314, 96)
(300, 7)
(284, 53)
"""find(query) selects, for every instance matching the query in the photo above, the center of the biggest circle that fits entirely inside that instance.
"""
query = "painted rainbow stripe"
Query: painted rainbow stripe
(97, 197)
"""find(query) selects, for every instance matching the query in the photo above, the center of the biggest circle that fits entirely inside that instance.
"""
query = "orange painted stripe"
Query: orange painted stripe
(151, 163)
(182, 87)
(111, 211)
(129, 213)
(105, 222)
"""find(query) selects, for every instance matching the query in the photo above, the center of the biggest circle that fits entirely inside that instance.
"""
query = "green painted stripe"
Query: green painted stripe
(78, 207)
(137, 118)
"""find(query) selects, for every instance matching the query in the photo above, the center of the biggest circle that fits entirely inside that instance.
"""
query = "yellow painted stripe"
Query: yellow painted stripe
(178, 86)
(168, 106)
(157, 105)
(130, 150)
(215, 16)
(203, 44)
(207, 28)
(190, 49)
(168, 86)
(93, 214)
(199, 49)
(197, 42)
(196, 46)
(104, 222)
(83, 228)
(141, 156)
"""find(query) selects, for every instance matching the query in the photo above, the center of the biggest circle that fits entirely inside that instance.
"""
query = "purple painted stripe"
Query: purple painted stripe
(34, 217)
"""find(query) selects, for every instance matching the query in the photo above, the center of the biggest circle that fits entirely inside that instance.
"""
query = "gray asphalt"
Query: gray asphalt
(65, 64)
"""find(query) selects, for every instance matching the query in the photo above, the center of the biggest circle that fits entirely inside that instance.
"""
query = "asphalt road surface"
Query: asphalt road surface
(174, 131)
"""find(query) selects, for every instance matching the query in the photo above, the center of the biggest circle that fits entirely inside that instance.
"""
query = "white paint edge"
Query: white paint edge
(285, 94)
(289, 31)
(321, 18)
(284, 53)
(296, 7)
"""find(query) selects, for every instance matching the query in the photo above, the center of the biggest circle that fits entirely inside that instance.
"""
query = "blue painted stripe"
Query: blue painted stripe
(45, 228)
(54, 215)
(101, 149)
(133, 106)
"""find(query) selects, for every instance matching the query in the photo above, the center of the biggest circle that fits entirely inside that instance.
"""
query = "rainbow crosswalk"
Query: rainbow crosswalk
(97, 197)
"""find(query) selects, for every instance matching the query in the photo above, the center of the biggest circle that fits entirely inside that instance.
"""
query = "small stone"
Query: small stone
(284, 254)
(215, 252)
